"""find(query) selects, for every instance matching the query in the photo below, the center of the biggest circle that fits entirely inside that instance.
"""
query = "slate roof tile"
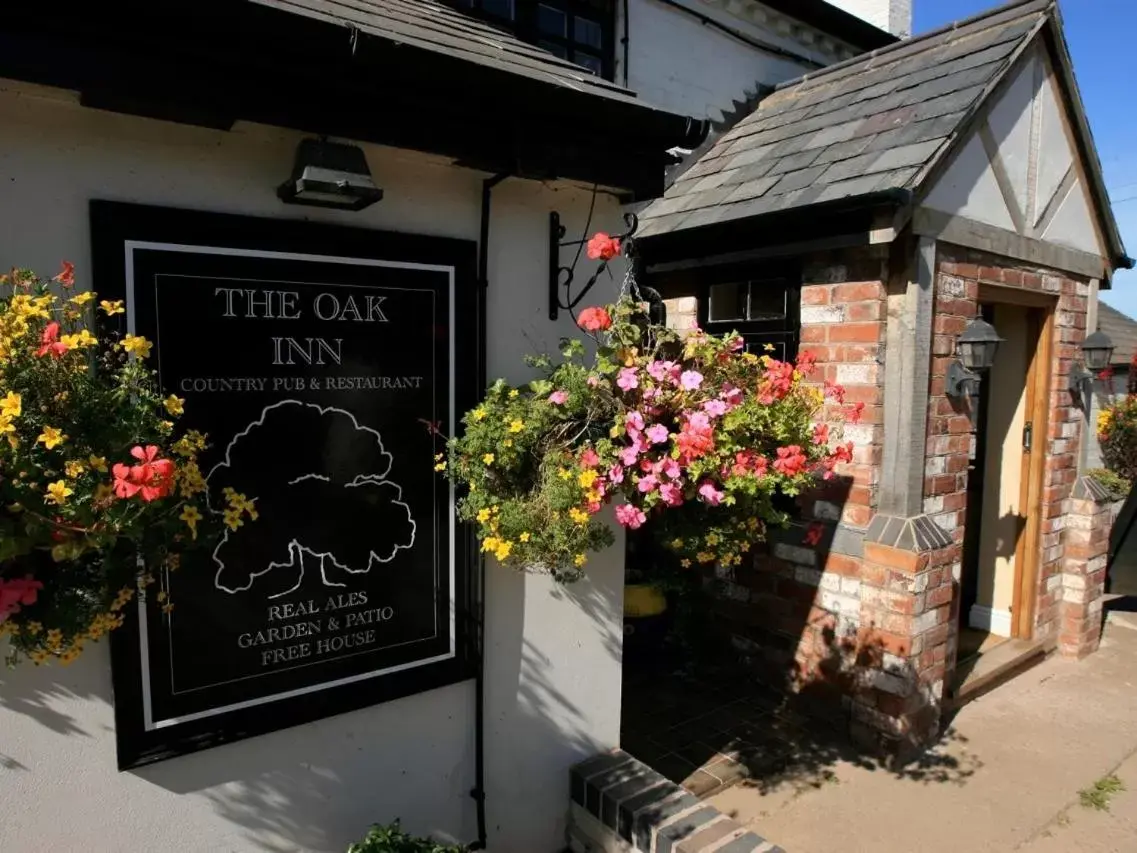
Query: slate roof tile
(875, 122)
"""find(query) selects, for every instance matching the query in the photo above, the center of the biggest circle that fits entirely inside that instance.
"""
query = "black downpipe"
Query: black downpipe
(478, 606)
(625, 41)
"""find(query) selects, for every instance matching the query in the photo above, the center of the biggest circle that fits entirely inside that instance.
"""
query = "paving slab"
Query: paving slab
(1011, 764)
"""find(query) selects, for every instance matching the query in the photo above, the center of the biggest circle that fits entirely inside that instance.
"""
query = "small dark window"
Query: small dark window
(763, 308)
(580, 31)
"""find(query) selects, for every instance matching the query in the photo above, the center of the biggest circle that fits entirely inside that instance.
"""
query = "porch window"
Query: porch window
(763, 308)
(581, 31)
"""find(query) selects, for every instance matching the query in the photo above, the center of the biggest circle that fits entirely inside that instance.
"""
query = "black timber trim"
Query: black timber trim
(213, 62)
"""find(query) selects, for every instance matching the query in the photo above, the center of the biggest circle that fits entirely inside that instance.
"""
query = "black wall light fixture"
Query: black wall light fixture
(1097, 353)
(330, 174)
(976, 347)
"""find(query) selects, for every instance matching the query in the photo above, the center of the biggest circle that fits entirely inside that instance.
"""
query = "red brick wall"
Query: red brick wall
(959, 274)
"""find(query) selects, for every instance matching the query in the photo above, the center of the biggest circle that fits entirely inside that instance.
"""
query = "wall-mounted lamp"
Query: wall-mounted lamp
(330, 174)
(977, 347)
(1097, 352)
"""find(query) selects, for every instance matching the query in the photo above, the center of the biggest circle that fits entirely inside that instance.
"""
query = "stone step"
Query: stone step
(998, 665)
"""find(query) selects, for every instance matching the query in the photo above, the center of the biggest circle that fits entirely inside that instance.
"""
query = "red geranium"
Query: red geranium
(49, 342)
(66, 276)
(595, 319)
(791, 461)
(150, 480)
(602, 247)
(16, 592)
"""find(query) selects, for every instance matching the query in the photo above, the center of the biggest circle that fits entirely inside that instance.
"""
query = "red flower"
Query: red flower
(595, 319)
(589, 459)
(821, 434)
(853, 416)
(791, 461)
(150, 480)
(66, 276)
(806, 361)
(813, 534)
(602, 247)
(835, 391)
(1106, 373)
(49, 342)
(776, 383)
(17, 592)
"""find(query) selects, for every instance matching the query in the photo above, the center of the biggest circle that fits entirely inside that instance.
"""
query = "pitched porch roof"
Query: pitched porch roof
(869, 130)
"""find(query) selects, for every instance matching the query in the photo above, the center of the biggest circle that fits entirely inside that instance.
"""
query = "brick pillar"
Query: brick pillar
(1083, 569)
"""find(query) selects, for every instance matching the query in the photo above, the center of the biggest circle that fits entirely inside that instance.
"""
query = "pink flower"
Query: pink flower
(630, 516)
(634, 423)
(593, 381)
(821, 434)
(732, 396)
(589, 459)
(672, 495)
(661, 370)
(736, 344)
(652, 393)
(558, 398)
(647, 466)
(647, 484)
(627, 380)
(855, 413)
(835, 391)
(710, 494)
(671, 468)
(691, 379)
(657, 433)
(17, 592)
(616, 474)
(806, 362)
(630, 454)
(715, 408)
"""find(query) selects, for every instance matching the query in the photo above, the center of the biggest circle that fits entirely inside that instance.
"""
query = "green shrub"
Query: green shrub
(1118, 487)
(1117, 431)
(391, 839)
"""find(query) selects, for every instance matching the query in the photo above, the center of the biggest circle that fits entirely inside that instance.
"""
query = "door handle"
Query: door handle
(1028, 436)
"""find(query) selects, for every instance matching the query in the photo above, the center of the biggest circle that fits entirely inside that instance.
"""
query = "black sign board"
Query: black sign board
(321, 362)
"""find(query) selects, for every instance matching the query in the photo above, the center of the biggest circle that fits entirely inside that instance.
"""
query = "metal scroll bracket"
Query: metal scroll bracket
(561, 277)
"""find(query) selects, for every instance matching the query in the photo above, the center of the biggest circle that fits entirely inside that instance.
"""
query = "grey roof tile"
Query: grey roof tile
(875, 122)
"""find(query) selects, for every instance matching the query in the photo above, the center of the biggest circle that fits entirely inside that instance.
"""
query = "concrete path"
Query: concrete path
(1006, 778)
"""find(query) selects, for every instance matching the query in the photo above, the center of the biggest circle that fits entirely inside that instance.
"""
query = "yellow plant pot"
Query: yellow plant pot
(642, 600)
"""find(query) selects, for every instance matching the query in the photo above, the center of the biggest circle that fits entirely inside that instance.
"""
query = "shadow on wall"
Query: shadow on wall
(43, 694)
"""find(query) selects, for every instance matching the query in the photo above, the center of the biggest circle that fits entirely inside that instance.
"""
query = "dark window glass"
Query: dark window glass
(593, 63)
(550, 21)
(587, 32)
(498, 8)
(728, 302)
(767, 300)
(554, 48)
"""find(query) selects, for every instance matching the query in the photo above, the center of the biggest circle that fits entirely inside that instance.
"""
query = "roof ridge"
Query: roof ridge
(1005, 14)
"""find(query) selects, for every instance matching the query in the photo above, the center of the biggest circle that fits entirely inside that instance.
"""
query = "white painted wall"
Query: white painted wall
(553, 668)
(894, 16)
(677, 63)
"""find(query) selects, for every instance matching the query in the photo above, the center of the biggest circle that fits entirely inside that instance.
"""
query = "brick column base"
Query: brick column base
(1083, 569)
(907, 633)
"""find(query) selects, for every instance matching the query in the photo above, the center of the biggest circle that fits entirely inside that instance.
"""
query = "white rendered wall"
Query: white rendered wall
(553, 656)
(687, 67)
(894, 16)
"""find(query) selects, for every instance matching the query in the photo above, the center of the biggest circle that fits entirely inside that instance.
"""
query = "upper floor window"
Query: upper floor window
(581, 31)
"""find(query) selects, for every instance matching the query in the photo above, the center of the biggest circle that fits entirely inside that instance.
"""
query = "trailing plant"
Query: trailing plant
(696, 434)
(391, 839)
(1117, 432)
(99, 490)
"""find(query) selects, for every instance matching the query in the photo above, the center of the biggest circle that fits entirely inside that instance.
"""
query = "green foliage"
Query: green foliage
(1098, 795)
(1117, 432)
(391, 839)
(694, 434)
(1118, 487)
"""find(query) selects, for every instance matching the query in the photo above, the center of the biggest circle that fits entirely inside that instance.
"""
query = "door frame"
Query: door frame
(1028, 550)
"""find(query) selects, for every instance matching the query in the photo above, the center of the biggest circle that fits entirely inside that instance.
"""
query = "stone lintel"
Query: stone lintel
(1089, 489)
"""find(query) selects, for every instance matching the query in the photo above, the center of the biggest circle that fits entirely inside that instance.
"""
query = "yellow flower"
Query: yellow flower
(11, 405)
(490, 543)
(112, 308)
(33, 628)
(97, 463)
(174, 405)
(564, 474)
(83, 298)
(488, 459)
(441, 466)
(479, 414)
(79, 340)
(168, 608)
(1105, 421)
(676, 544)
(685, 564)
(503, 549)
(579, 560)
(513, 393)
(191, 515)
(58, 492)
(103, 492)
(74, 468)
(166, 426)
(587, 478)
(769, 348)
(713, 539)
(232, 518)
(137, 346)
(517, 425)
(705, 557)
(483, 515)
(508, 442)
(7, 426)
(578, 515)
(524, 537)
(51, 437)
